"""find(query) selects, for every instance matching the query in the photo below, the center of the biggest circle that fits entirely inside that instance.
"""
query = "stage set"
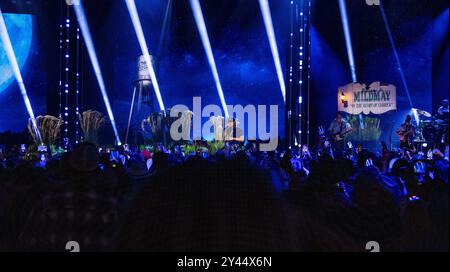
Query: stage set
(330, 91)
(84, 80)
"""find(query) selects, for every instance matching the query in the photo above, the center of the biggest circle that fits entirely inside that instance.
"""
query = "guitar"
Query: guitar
(340, 136)
(404, 136)
(336, 137)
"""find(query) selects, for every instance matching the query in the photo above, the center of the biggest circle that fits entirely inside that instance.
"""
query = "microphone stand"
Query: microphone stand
(390, 136)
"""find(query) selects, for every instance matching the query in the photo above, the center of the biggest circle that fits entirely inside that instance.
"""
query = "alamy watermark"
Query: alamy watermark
(373, 2)
(226, 128)
(373, 246)
(73, 246)
(73, 2)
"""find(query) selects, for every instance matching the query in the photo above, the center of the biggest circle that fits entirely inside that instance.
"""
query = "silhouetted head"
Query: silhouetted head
(408, 119)
(85, 157)
(339, 117)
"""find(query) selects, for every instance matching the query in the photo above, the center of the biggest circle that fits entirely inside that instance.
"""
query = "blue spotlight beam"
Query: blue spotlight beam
(349, 45)
(265, 10)
(7, 45)
(86, 33)
(201, 25)
(166, 25)
(131, 5)
(397, 57)
(348, 38)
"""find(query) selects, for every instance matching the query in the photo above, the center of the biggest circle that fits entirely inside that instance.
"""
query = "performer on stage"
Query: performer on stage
(443, 111)
(234, 137)
(406, 132)
(337, 130)
(442, 121)
(232, 132)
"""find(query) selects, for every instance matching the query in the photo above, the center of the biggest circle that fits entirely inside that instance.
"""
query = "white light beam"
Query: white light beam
(131, 5)
(265, 10)
(201, 25)
(7, 45)
(86, 33)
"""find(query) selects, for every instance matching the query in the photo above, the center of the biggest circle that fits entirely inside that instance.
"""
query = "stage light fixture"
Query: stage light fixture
(7, 45)
(348, 38)
(86, 33)
(131, 5)
(265, 10)
(201, 25)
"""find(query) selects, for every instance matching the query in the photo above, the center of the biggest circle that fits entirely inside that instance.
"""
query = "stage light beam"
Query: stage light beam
(131, 5)
(265, 10)
(348, 38)
(7, 45)
(349, 45)
(396, 55)
(201, 25)
(86, 33)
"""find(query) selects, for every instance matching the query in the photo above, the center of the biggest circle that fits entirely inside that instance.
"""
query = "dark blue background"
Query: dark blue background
(239, 42)
(243, 56)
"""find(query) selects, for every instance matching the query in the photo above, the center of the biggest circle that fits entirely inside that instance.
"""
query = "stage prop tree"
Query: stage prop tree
(187, 122)
(49, 127)
(91, 123)
(156, 124)
(217, 122)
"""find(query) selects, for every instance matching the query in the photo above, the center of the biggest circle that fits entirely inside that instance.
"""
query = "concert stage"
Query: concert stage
(342, 102)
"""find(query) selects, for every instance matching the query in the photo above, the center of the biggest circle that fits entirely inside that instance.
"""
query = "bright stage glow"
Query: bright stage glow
(348, 38)
(131, 5)
(201, 25)
(86, 33)
(265, 10)
(7, 45)
(415, 114)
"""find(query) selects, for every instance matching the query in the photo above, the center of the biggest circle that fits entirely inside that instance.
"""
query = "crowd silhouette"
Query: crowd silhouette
(230, 201)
